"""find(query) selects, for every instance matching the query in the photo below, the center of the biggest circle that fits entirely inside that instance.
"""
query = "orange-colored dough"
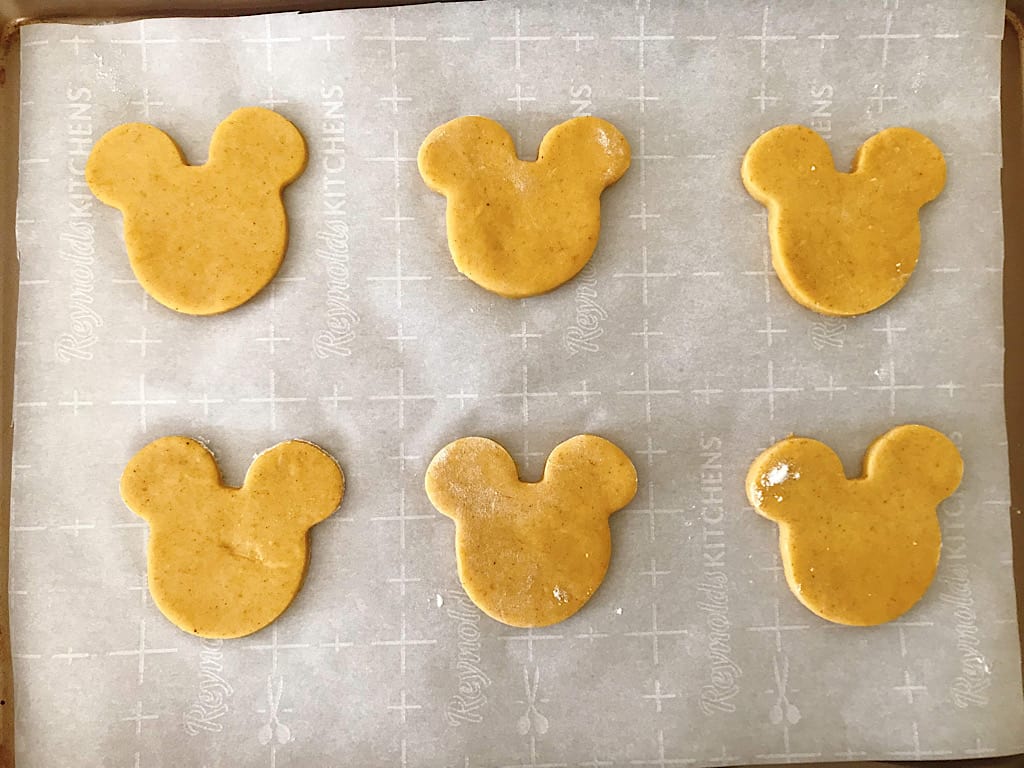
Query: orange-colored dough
(531, 554)
(521, 228)
(225, 562)
(843, 243)
(862, 551)
(201, 239)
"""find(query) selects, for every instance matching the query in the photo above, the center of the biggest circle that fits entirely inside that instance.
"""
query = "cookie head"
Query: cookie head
(225, 562)
(531, 554)
(860, 551)
(521, 228)
(201, 239)
(843, 243)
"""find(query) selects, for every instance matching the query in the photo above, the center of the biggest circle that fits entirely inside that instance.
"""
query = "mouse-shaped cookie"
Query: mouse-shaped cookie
(863, 551)
(201, 239)
(843, 243)
(521, 228)
(225, 562)
(531, 554)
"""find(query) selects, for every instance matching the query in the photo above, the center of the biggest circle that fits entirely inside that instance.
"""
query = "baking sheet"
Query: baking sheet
(677, 343)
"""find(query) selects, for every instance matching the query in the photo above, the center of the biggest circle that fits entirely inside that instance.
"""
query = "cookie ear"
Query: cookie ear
(456, 152)
(468, 475)
(789, 476)
(597, 469)
(589, 146)
(166, 471)
(258, 138)
(782, 160)
(128, 158)
(907, 164)
(305, 480)
(916, 457)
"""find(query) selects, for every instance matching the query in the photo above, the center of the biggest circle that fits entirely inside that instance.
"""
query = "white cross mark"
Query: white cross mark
(462, 396)
(950, 387)
(272, 102)
(327, 38)
(769, 331)
(273, 400)
(206, 401)
(70, 656)
(138, 718)
(142, 651)
(831, 388)
(403, 643)
(524, 337)
(823, 38)
(771, 390)
(525, 394)
(336, 644)
(275, 648)
(654, 573)
(402, 579)
(395, 159)
(400, 337)
(584, 393)
(642, 98)
(651, 511)
(401, 398)
(645, 275)
(335, 398)
(892, 387)
(145, 103)
(404, 707)
(393, 40)
(142, 402)
(645, 334)
(518, 39)
(143, 341)
(887, 36)
(907, 688)
(394, 98)
(271, 339)
(917, 753)
(76, 527)
(777, 628)
(650, 452)
(647, 392)
(880, 98)
(77, 42)
(268, 40)
(764, 38)
(74, 403)
(591, 635)
(763, 99)
(706, 392)
(658, 696)
(641, 39)
(529, 638)
(142, 41)
(644, 157)
(518, 100)
(398, 218)
(577, 38)
(661, 761)
(398, 278)
(977, 749)
(765, 272)
(889, 330)
(654, 633)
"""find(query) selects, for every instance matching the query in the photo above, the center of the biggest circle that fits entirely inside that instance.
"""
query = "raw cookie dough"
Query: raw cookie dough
(225, 562)
(531, 554)
(201, 239)
(862, 551)
(843, 243)
(521, 228)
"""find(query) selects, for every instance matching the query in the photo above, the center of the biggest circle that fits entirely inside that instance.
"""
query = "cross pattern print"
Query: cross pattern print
(677, 342)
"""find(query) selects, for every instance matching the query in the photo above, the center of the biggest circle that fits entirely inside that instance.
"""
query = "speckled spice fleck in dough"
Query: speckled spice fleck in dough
(531, 554)
(201, 239)
(843, 243)
(225, 562)
(521, 228)
(861, 551)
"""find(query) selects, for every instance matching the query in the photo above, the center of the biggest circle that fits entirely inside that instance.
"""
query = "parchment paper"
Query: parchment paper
(677, 342)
